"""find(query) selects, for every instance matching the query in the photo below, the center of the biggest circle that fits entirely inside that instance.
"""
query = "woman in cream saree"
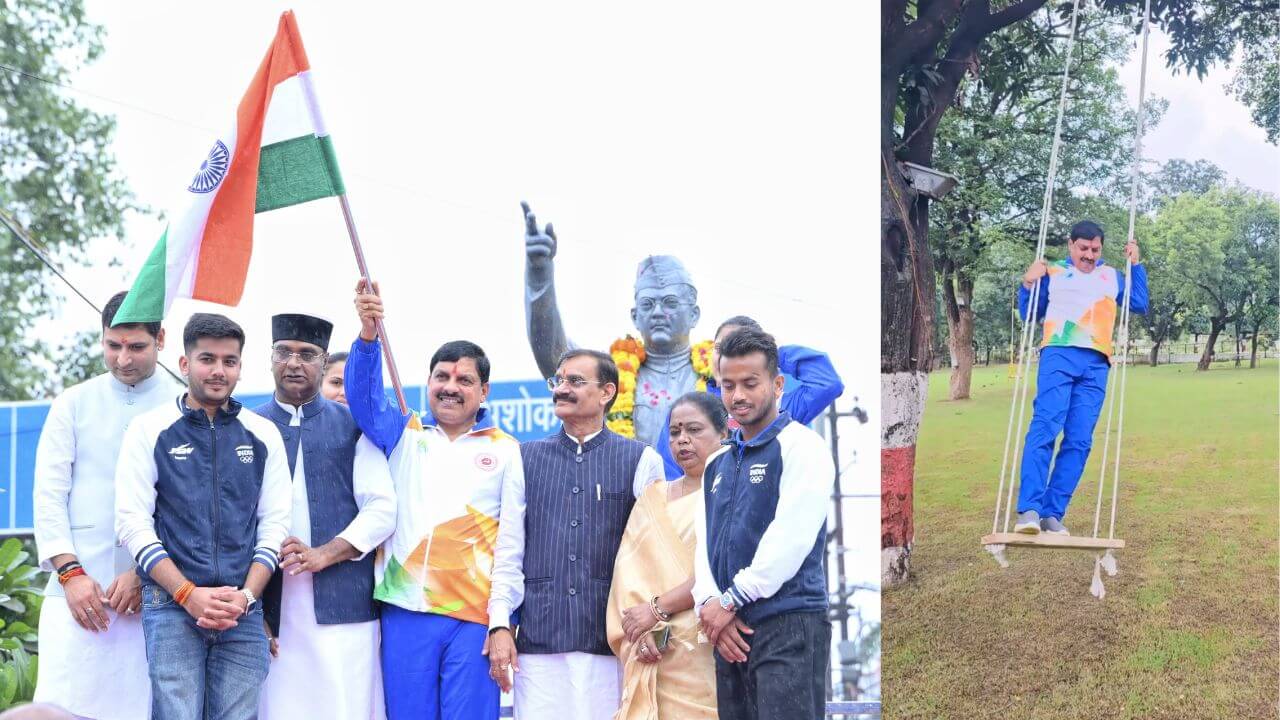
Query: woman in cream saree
(652, 580)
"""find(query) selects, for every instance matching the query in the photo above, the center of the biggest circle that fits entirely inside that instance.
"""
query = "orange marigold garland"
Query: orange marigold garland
(701, 356)
(628, 353)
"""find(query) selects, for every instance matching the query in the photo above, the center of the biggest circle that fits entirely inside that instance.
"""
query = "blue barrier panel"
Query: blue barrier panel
(30, 420)
(8, 460)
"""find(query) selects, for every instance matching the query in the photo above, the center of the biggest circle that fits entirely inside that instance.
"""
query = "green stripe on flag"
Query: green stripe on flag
(145, 301)
(297, 171)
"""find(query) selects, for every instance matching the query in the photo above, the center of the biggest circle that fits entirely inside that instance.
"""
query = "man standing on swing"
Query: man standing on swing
(1077, 301)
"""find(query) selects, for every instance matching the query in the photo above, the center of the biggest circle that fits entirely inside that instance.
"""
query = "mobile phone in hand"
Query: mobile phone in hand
(661, 638)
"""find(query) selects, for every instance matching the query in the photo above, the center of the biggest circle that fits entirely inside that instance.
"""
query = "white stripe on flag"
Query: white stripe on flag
(287, 116)
(182, 249)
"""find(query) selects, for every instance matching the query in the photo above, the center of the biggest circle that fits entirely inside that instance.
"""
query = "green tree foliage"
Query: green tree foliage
(1257, 85)
(1259, 225)
(1222, 246)
(81, 358)
(927, 51)
(1180, 176)
(997, 141)
(20, 598)
(57, 175)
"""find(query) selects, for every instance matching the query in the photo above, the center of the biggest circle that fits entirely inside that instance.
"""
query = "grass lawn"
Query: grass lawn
(1188, 629)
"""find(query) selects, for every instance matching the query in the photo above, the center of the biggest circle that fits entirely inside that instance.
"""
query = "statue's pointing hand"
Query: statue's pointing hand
(539, 249)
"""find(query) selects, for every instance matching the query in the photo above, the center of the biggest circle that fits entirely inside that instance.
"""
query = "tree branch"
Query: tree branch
(923, 33)
(1008, 16)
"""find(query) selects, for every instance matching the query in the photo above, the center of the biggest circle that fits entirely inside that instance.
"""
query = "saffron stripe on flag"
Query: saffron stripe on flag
(297, 171)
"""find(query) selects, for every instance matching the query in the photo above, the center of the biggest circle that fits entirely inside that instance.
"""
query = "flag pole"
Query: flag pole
(317, 120)
(364, 273)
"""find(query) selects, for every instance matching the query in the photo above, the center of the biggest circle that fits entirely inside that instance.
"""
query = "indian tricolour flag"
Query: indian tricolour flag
(277, 154)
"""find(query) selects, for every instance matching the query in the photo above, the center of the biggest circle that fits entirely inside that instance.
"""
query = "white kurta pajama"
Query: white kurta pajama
(554, 686)
(94, 675)
(330, 671)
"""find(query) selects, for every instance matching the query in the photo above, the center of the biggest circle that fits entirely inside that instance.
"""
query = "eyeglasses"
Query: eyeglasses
(306, 357)
(574, 381)
(670, 303)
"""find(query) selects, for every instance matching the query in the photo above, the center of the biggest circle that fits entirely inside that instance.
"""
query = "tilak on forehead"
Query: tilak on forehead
(659, 271)
(303, 328)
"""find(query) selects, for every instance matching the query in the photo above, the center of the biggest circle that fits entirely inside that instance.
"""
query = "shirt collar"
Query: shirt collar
(141, 386)
(308, 409)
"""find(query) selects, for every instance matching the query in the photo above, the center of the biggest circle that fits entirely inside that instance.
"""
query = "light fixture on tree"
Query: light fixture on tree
(929, 182)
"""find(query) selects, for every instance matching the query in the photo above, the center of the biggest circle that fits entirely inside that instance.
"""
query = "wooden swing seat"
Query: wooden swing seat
(1049, 540)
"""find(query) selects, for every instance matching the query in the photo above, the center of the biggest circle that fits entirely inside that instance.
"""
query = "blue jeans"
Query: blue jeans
(1070, 386)
(432, 668)
(199, 674)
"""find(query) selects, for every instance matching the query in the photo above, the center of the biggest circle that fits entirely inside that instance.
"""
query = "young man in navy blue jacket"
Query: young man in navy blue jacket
(759, 585)
(203, 499)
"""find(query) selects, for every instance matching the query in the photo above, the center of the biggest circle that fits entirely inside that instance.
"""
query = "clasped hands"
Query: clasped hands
(216, 608)
(88, 602)
(725, 631)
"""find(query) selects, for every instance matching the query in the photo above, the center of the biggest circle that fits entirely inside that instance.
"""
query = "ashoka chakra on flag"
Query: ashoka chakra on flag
(211, 170)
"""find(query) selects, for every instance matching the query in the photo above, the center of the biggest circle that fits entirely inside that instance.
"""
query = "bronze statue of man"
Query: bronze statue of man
(665, 311)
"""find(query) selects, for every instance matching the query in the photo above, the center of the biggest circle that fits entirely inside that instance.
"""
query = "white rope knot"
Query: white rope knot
(1108, 563)
(997, 552)
(1096, 588)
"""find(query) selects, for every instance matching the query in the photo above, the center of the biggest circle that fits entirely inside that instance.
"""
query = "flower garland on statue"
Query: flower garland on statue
(628, 353)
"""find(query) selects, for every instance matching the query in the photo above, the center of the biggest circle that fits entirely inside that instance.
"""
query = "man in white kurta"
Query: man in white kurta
(99, 674)
(327, 659)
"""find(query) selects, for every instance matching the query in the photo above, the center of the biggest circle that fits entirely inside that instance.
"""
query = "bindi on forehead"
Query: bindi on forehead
(127, 336)
(584, 367)
(458, 370)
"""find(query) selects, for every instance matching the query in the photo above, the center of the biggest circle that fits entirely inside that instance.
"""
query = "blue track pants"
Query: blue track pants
(432, 668)
(1070, 387)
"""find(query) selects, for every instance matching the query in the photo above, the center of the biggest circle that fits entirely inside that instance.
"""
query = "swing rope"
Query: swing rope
(1106, 561)
(1018, 406)
(1022, 376)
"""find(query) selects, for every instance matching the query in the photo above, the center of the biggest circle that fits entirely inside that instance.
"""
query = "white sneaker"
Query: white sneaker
(1053, 526)
(1028, 523)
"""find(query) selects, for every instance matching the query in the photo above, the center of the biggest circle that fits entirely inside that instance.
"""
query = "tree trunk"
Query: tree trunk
(1253, 348)
(1239, 344)
(1155, 354)
(959, 294)
(1216, 324)
(906, 268)
(906, 323)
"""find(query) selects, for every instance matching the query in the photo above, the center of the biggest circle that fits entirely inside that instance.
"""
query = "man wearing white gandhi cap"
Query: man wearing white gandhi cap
(665, 312)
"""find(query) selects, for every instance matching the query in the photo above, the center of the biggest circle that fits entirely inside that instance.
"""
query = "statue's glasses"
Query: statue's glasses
(670, 303)
(306, 357)
(574, 381)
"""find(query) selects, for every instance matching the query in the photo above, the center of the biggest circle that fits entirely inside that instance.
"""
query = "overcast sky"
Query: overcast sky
(1203, 121)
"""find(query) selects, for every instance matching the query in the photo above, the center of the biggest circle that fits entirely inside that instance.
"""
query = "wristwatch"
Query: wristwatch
(727, 602)
(249, 599)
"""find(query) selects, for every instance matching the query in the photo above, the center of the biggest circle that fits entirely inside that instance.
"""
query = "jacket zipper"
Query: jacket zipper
(730, 514)
(213, 433)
